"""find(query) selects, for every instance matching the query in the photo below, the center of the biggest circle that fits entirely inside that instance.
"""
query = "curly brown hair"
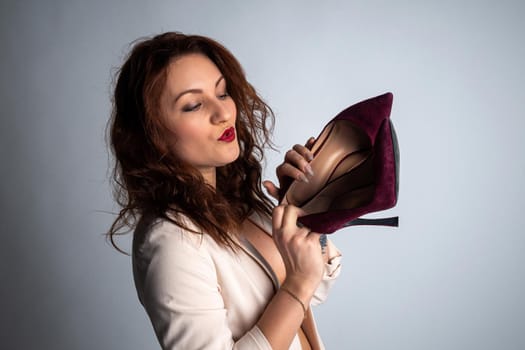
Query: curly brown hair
(149, 179)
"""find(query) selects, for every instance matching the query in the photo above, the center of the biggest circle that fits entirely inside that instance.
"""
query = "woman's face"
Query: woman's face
(199, 114)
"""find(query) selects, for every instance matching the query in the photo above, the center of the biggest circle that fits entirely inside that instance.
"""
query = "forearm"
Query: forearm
(284, 315)
(302, 256)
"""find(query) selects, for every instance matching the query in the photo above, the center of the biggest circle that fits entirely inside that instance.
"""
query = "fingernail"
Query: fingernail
(310, 157)
(308, 169)
(303, 178)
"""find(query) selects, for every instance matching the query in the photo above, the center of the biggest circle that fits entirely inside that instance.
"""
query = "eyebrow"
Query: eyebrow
(195, 91)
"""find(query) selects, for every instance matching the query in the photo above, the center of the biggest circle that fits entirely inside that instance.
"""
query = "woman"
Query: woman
(214, 265)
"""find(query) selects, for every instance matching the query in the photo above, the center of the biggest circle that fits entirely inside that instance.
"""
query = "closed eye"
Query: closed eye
(192, 108)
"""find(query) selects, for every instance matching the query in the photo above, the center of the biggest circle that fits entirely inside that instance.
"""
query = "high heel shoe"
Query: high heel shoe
(356, 169)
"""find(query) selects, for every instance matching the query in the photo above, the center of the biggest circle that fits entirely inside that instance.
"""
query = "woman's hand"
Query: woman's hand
(300, 250)
(296, 166)
(302, 256)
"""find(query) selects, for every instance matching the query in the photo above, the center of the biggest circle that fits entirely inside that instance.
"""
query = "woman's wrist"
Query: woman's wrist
(284, 314)
(296, 298)
(301, 289)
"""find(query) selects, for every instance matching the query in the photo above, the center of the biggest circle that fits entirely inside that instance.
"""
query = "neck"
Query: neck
(210, 176)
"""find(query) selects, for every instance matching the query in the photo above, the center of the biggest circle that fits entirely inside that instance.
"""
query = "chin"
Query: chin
(233, 159)
(235, 153)
(229, 156)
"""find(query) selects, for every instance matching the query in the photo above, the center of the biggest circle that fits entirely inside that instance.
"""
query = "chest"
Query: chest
(245, 284)
(265, 246)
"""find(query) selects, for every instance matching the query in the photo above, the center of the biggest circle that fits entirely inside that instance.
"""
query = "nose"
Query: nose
(221, 112)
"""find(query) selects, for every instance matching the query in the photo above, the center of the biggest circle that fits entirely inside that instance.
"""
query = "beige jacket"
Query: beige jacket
(199, 295)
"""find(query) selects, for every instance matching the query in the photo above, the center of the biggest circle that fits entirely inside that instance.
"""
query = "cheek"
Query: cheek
(186, 138)
(232, 108)
(189, 138)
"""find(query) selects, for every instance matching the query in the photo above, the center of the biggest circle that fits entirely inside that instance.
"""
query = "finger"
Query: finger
(289, 221)
(277, 218)
(310, 142)
(304, 152)
(301, 212)
(301, 156)
(286, 169)
(271, 189)
(292, 156)
(298, 155)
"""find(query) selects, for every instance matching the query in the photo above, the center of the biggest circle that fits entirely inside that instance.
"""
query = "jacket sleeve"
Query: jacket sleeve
(331, 272)
(177, 284)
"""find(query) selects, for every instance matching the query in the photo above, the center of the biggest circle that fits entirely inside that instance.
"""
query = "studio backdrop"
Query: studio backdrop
(452, 276)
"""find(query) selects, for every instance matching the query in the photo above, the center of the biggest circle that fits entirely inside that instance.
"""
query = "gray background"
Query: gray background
(451, 277)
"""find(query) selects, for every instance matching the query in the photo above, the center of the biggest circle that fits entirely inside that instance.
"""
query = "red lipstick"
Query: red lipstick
(228, 135)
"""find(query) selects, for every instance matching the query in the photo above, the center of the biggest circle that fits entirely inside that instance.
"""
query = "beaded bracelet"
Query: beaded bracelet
(323, 241)
(295, 297)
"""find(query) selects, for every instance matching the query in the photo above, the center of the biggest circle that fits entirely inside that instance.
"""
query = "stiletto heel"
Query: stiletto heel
(391, 221)
(356, 167)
